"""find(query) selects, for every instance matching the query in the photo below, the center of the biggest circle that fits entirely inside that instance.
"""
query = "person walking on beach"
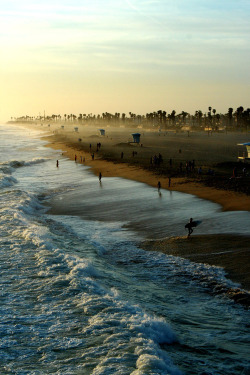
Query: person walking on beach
(189, 226)
(57, 163)
(192, 224)
(100, 177)
(159, 186)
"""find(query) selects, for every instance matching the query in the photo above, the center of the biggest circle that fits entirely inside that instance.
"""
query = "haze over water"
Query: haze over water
(79, 295)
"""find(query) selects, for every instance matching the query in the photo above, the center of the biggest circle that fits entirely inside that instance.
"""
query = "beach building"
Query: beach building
(102, 131)
(246, 154)
(136, 137)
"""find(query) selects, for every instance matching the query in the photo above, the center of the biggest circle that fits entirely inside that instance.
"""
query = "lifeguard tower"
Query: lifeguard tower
(246, 154)
(136, 137)
(102, 131)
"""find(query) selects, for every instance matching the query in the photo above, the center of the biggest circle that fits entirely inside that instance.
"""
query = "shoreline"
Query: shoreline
(227, 199)
(232, 201)
(213, 249)
(231, 252)
(110, 166)
(108, 161)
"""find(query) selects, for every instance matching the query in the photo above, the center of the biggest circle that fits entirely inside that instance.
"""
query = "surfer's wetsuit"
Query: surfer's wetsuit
(189, 226)
(190, 230)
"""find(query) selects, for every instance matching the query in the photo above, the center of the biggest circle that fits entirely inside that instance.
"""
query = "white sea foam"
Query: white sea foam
(10, 166)
(7, 181)
(18, 164)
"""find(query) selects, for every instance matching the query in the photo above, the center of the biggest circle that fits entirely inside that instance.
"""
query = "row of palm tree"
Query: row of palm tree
(211, 119)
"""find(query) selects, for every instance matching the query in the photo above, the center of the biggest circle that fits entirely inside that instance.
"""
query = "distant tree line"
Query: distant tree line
(211, 120)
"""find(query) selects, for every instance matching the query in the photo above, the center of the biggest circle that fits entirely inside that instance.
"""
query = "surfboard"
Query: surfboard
(193, 224)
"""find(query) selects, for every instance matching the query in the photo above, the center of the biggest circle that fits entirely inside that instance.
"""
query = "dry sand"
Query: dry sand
(230, 252)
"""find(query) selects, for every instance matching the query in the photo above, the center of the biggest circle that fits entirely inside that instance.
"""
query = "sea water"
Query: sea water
(79, 295)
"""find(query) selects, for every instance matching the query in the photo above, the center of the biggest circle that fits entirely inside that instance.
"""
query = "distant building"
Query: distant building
(246, 154)
(136, 137)
(76, 129)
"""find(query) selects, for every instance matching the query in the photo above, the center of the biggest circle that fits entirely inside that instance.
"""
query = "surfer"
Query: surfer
(189, 226)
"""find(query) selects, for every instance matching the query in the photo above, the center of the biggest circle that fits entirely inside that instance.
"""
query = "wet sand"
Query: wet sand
(228, 251)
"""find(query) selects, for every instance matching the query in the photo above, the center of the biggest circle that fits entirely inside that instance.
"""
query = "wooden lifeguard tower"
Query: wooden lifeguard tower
(102, 131)
(136, 137)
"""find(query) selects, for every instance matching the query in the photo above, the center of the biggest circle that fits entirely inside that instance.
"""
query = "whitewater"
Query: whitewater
(79, 295)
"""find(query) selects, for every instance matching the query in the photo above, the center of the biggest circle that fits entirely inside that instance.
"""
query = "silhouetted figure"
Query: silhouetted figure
(234, 172)
(189, 226)
(57, 163)
(169, 181)
(100, 177)
(159, 186)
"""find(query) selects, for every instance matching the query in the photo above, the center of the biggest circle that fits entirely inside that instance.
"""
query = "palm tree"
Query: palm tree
(230, 116)
(184, 115)
(239, 113)
(172, 117)
(198, 115)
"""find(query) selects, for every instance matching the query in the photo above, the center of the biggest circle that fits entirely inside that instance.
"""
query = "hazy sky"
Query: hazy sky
(94, 56)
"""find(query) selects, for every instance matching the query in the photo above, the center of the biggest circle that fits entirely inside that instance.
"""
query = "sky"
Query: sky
(95, 56)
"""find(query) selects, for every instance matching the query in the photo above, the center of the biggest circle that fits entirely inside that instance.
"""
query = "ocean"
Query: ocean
(78, 293)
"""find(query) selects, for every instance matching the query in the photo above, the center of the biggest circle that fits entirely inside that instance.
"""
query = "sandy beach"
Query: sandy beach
(175, 148)
(117, 156)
